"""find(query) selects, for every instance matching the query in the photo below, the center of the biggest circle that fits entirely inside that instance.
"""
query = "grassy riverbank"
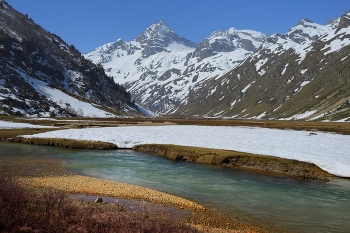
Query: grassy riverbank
(65, 143)
(226, 158)
(48, 210)
(232, 159)
(48, 177)
(238, 160)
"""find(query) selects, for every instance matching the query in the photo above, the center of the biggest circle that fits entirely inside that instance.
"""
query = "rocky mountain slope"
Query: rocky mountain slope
(160, 68)
(302, 74)
(40, 75)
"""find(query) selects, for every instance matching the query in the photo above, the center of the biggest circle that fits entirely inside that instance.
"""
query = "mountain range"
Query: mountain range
(160, 68)
(302, 74)
(41, 75)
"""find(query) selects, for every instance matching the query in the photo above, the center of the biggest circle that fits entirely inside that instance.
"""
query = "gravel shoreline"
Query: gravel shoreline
(77, 184)
(203, 219)
(48, 173)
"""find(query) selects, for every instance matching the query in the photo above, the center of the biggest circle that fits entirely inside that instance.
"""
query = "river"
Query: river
(282, 203)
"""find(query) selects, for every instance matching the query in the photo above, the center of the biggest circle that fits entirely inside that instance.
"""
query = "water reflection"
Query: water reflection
(289, 204)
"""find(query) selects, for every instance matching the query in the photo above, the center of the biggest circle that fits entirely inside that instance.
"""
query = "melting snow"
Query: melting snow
(304, 83)
(246, 88)
(15, 125)
(284, 70)
(262, 72)
(260, 63)
(290, 80)
(303, 71)
(328, 151)
(62, 99)
(344, 58)
(302, 115)
(261, 115)
(233, 103)
(335, 45)
(301, 86)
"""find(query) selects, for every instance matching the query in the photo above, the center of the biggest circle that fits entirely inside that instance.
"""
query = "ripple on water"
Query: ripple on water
(281, 202)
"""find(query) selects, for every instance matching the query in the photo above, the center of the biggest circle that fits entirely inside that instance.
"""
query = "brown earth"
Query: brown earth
(65, 143)
(238, 160)
(48, 173)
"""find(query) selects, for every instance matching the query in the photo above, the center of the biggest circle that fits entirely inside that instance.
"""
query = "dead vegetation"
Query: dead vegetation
(27, 210)
(12, 133)
(336, 127)
(66, 143)
(43, 169)
(260, 163)
(238, 160)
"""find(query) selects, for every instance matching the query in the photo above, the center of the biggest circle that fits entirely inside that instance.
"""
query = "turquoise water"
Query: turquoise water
(279, 202)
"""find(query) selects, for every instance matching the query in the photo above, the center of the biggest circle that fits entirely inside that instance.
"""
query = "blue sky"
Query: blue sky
(88, 24)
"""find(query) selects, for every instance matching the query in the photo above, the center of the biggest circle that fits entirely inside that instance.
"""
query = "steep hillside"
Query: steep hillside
(303, 74)
(160, 68)
(40, 75)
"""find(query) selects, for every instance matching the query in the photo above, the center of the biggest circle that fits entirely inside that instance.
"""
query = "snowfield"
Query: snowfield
(15, 125)
(329, 151)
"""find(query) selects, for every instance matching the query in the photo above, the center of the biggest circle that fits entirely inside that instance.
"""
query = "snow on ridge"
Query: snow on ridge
(12, 34)
(260, 63)
(301, 115)
(327, 150)
(176, 65)
(336, 45)
(65, 101)
(246, 88)
(284, 69)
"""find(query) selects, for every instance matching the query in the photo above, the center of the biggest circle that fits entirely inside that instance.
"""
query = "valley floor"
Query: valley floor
(329, 151)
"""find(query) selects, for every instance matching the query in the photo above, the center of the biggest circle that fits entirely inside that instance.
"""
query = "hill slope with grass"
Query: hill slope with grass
(302, 74)
(41, 75)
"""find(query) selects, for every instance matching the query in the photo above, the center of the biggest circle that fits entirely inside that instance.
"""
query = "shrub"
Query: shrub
(24, 210)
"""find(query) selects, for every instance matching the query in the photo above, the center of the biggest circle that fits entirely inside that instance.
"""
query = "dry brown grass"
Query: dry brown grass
(337, 127)
(66, 143)
(240, 160)
(50, 175)
(216, 157)
(25, 210)
(12, 133)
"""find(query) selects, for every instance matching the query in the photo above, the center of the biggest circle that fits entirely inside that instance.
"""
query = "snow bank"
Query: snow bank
(15, 125)
(328, 151)
(80, 107)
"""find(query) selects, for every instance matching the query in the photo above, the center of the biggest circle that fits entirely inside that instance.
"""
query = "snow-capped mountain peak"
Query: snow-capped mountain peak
(155, 31)
(306, 31)
(344, 21)
(229, 41)
(302, 74)
(158, 37)
(160, 67)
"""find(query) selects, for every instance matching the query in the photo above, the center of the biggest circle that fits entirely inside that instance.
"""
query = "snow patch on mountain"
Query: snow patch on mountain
(159, 62)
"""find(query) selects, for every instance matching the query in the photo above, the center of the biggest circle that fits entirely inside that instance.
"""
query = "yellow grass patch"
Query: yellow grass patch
(240, 160)
(94, 186)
